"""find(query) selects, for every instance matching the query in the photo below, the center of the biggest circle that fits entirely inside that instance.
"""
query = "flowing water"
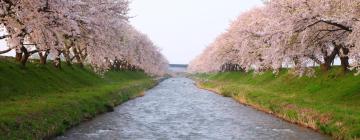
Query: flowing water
(177, 109)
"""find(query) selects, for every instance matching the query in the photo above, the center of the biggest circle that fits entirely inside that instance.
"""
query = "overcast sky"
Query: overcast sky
(183, 28)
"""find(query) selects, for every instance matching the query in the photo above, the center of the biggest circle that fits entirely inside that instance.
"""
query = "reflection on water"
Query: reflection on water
(176, 109)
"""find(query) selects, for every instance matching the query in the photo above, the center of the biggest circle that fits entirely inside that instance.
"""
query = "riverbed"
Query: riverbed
(177, 109)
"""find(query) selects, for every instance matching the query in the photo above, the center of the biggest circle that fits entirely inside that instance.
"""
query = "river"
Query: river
(177, 109)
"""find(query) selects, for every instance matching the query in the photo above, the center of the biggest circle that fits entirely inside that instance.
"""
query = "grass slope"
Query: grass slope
(39, 102)
(329, 102)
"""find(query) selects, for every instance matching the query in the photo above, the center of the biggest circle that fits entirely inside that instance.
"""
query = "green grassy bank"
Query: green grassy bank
(328, 102)
(39, 102)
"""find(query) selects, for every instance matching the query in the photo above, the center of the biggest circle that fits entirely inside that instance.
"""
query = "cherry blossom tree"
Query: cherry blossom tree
(95, 32)
(296, 33)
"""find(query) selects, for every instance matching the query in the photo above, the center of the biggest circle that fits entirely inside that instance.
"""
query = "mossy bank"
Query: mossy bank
(329, 103)
(39, 102)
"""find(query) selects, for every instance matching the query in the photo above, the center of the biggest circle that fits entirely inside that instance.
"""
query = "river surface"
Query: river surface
(177, 109)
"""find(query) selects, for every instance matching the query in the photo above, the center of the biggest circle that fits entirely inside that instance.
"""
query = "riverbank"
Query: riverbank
(329, 103)
(39, 102)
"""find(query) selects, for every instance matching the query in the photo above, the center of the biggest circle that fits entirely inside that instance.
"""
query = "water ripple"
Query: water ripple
(176, 109)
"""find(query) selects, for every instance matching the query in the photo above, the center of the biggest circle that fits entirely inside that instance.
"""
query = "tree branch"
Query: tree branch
(312, 57)
(4, 36)
(6, 51)
(32, 52)
(344, 27)
(29, 44)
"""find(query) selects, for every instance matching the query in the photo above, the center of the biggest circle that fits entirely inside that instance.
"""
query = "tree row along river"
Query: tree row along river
(177, 109)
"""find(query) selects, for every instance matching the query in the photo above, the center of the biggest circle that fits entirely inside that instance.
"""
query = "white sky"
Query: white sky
(3, 45)
(183, 28)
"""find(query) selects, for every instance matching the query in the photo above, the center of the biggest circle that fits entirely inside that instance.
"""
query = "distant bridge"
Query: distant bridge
(178, 68)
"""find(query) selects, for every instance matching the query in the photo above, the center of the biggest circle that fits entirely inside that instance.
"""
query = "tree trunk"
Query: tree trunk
(77, 57)
(24, 57)
(43, 60)
(329, 59)
(57, 60)
(18, 56)
(67, 57)
(116, 65)
(57, 63)
(326, 66)
(43, 57)
(344, 58)
(83, 54)
(122, 65)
